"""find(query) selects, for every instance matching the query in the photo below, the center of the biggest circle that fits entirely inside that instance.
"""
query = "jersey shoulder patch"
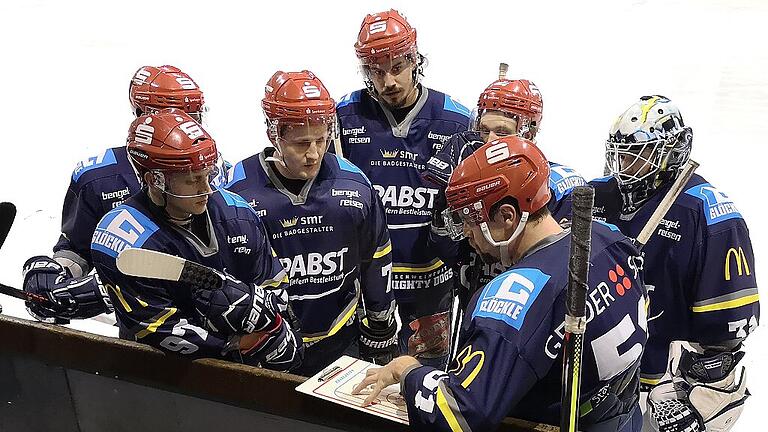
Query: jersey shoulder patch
(717, 206)
(235, 174)
(563, 179)
(452, 105)
(347, 99)
(124, 227)
(347, 166)
(510, 295)
(234, 200)
(104, 159)
(604, 179)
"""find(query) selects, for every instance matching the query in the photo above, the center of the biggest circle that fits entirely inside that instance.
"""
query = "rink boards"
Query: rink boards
(55, 378)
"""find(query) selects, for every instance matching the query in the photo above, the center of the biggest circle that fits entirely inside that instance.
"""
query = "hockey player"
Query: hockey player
(99, 184)
(699, 268)
(390, 129)
(510, 356)
(326, 223)
(506, 107)
(177, 212)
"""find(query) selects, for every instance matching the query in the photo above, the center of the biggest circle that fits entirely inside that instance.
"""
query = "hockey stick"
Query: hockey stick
(46, 302)
(7, 215)
(575, 306)
(650, 227)
(157, 265)
(503, 68)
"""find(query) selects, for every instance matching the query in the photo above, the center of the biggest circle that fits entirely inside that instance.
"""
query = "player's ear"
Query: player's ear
(507, 215)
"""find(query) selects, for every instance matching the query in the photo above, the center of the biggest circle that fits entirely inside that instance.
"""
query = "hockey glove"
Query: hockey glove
(235, 307)
(378, 341)
(44, 276)
(276, 348)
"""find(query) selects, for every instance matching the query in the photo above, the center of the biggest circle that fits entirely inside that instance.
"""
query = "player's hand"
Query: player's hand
(384, 377)
(42, 276)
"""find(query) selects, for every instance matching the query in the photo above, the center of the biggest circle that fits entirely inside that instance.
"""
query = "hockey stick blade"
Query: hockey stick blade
(575, 305)
(666, 202)
(157, 265)
(7, 215)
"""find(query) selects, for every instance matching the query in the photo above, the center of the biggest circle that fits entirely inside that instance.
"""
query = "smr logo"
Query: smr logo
(742, 265)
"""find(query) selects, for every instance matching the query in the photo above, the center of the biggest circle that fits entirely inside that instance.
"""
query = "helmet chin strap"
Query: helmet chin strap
(506, 258)
(277, 157)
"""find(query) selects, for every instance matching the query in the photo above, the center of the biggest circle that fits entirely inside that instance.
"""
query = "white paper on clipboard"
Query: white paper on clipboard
(337, 388)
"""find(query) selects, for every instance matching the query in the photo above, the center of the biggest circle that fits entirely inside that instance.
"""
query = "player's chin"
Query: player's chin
(395, 99)
(199, 206)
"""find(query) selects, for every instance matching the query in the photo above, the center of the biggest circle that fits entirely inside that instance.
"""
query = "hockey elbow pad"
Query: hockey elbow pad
(378, 341)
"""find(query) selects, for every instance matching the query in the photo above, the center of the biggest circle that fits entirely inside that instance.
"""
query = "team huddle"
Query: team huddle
(369, 218)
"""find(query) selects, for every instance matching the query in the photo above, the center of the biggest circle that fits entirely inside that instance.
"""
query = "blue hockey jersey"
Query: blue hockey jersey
(98, 185)
(332, 239)
(161, 313)
(392, 156)
(699, 268)
(509, 360)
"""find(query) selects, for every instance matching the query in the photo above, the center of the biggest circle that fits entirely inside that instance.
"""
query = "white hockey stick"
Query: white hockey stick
(157, 265)
(666, 202)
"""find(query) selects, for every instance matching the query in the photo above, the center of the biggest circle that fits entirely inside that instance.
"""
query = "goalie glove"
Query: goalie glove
(378, 341)
(703, 393)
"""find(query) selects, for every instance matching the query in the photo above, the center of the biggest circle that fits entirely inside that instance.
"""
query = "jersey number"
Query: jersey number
(606, 348)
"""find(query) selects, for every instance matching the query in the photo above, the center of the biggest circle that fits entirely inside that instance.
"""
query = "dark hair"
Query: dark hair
(534, 217)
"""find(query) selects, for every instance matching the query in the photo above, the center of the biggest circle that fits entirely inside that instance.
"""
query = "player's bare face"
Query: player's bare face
(303, 148)
(495, 124)
(188, 184)
(393, 81)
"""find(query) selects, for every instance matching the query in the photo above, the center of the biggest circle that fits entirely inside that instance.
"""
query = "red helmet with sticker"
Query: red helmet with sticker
(507, 167)
(384, 35)
(170, 141)
(298, 98)
(155, 88)
(519, 98)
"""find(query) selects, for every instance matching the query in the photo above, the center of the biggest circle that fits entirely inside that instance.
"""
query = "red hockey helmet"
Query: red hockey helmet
(518, 98)
(155, 88)
(511, 166)
(167, 142)
(384, 35)
(297, 98)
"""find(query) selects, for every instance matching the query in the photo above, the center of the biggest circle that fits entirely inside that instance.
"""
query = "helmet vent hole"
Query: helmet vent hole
(634, 119)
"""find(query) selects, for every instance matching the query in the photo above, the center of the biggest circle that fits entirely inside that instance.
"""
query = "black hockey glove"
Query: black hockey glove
(44, 276)
(235, 307)
(378, 341)
(276, 348)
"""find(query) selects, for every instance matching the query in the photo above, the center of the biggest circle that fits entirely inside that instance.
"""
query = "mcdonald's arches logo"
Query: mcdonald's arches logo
(742, 266)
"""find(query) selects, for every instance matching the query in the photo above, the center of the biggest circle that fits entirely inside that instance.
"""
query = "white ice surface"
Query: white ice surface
(66, 65)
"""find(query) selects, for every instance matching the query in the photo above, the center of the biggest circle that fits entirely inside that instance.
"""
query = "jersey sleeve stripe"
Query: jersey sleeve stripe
(159, 320)
(450, 409)
(416, 268)
(338, 323)
(383, 251)
(119, 294)
(728, 304)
